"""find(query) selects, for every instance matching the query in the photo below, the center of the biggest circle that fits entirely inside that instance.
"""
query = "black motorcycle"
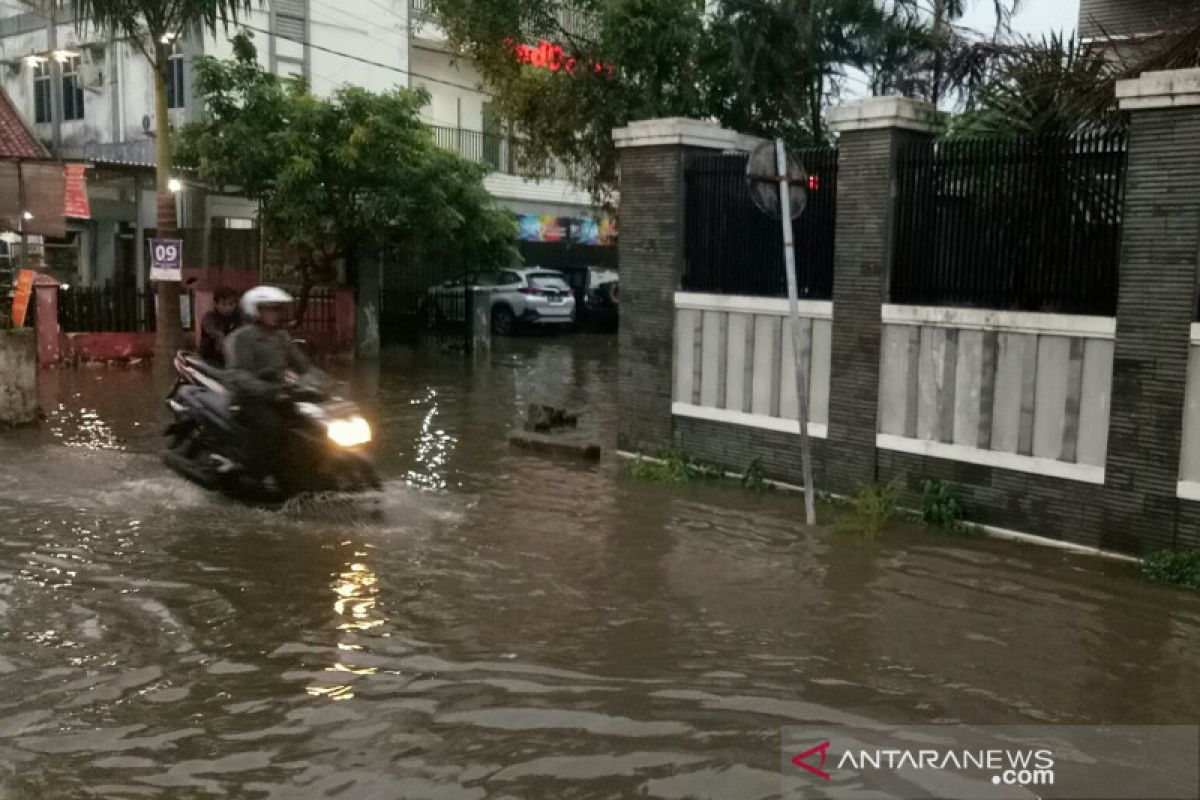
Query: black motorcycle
(325, 449)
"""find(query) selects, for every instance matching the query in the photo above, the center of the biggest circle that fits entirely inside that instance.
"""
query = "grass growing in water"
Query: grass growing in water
(673, 467)
(941, 508)
(1174, 567)
(754, 479)
(870, 510)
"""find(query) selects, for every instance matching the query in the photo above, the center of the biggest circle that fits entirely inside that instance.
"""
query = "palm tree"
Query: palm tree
(153, 27)
(774, 63)
(925, 36)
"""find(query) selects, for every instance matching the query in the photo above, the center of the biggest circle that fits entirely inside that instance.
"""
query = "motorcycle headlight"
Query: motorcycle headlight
(348, 432)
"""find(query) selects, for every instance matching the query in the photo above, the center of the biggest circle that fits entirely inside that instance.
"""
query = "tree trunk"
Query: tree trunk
(168, 326)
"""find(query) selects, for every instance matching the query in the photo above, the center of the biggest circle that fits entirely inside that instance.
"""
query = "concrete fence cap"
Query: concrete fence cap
(1166, 89)
(875, 113)
(682, 132)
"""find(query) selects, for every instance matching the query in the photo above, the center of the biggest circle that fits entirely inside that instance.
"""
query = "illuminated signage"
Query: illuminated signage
(546, 55)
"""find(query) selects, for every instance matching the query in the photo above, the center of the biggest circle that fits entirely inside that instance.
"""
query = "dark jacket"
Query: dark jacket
(214, 328)
(257, 359)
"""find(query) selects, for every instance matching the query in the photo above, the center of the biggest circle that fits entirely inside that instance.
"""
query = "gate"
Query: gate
(438, 313)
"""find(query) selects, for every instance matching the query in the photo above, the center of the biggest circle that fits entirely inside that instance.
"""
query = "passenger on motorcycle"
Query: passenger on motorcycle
(218, 324)
(260, 357)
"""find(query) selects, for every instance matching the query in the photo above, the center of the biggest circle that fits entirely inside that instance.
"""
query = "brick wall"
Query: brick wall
(1060, 509)
(866, 173)
(650, 250)
(1155, 308)
(734, 447)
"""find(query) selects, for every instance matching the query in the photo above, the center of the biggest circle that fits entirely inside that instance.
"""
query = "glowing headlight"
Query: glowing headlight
(349, 432)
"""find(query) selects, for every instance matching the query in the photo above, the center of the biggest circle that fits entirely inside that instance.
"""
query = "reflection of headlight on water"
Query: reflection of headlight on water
(349, 432)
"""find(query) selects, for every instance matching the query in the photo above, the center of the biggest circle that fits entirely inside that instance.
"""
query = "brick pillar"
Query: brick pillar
(650, 227)
(45, 296)
(1155, 308)
(871, 133)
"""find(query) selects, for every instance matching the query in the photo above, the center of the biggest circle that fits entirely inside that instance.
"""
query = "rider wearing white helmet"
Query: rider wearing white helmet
(259, 357)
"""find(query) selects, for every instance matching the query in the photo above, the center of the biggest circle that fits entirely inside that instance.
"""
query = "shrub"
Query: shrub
(673, 466)
(1174, 567)
(754, 479)
(870, 510)
(941, 508)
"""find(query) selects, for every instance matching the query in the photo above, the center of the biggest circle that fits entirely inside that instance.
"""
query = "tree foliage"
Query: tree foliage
(767, 67)
(653, 47)
(1060, 85)
(357, 170)
(775, 64)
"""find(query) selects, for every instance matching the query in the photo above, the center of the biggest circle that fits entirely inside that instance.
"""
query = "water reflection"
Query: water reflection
(83, 427)
(433, 447)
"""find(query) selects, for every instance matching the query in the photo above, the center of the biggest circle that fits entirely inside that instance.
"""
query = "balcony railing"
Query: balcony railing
(502, 154)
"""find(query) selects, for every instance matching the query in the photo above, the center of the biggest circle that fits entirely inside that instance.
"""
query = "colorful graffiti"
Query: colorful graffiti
(578, 230)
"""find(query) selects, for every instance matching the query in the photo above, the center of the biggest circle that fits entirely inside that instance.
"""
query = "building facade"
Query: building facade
(1131, 18)
(92, 100)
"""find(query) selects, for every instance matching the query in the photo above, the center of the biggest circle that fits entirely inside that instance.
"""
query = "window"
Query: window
(175, 96)
(41, 92)
(72, 92)
(509, 278)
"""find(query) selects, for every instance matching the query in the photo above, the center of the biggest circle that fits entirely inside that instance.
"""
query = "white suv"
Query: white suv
(531, 296)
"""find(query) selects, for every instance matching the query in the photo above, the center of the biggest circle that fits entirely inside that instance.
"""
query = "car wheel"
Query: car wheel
(503, 321)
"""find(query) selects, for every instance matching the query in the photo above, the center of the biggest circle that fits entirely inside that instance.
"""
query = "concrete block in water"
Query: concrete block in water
(566, 445)
(18, 377)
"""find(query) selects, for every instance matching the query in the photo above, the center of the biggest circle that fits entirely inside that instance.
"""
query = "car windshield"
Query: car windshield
(548, 280)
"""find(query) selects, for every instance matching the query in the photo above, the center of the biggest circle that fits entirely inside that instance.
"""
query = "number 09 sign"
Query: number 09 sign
(166, 260)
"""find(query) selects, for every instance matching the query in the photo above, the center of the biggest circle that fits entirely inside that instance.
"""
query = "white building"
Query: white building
(107, 114)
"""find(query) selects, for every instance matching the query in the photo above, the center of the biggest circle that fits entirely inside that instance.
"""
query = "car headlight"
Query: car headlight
(349, 432)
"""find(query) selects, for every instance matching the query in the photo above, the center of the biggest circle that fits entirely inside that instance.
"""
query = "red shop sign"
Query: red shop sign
(546, 55)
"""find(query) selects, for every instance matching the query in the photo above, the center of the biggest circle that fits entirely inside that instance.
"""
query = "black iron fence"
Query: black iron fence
(320, 311)
(1028, 224)
(106, 309)
(441, 314)
(733, 248)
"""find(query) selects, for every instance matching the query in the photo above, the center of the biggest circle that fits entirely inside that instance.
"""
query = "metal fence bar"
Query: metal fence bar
(733, 248)
(106, 309)
(1032, 224)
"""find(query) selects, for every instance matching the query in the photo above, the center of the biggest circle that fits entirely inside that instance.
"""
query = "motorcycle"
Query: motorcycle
(326, 438)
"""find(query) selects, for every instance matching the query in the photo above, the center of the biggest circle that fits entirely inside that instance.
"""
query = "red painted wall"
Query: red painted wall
(106, 346)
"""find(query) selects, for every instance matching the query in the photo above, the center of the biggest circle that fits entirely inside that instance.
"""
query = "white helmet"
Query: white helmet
(260, 296)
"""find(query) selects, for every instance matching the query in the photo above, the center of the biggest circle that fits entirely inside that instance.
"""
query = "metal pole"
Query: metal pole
(789, 257)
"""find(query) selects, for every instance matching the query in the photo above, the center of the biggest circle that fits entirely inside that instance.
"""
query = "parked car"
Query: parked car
(601, 296)
(530, 296)
(597, 296)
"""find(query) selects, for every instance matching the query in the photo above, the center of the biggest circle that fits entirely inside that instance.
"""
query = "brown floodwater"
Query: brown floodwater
(495, 624)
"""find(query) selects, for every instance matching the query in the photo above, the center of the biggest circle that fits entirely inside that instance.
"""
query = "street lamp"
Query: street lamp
(174, 184)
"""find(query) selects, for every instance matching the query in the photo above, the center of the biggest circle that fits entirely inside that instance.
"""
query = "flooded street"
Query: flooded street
(500, 625)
